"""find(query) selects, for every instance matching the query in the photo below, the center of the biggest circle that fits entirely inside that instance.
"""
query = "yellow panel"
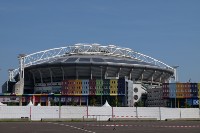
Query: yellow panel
(113, 86)
(198, 90)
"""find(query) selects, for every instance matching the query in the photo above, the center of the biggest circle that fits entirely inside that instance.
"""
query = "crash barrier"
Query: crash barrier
(62, 112)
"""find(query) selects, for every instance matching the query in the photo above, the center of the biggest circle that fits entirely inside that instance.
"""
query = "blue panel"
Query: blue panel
(85, 87)
(172, 90)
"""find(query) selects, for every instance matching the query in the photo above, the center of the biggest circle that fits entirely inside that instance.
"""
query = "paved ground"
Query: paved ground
(101, 127)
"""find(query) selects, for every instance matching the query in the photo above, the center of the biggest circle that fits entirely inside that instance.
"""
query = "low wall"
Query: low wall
(99, 113)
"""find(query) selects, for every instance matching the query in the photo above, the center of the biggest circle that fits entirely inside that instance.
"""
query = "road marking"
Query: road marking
(72, 127)
(156, 126)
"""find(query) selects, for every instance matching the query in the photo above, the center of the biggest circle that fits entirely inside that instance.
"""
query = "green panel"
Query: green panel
(99, 87)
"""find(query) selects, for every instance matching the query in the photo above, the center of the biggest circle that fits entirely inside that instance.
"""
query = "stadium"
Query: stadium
(85, 74)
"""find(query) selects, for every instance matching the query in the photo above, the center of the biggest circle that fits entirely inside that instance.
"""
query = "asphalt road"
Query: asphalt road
(101, 127)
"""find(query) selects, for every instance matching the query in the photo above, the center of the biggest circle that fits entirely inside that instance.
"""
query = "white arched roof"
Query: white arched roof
(89, 49)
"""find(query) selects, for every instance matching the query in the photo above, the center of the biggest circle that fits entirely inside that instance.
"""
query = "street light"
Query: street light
(21, 61)
(176, 79)
(175, 73)
(101, 85)
(1, 88)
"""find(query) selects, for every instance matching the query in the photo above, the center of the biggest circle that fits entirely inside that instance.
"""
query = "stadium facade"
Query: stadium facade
(85, 74)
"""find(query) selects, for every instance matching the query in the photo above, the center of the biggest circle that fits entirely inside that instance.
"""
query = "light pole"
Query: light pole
(176, 79)
(1, 88)
(175, 73)
(101, 85)
(21, 58)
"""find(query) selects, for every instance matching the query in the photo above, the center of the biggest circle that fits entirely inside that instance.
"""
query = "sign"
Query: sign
(195, 102)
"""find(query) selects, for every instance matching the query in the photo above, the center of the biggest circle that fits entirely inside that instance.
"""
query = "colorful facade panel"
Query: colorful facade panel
(85, 87)
(93, 87)
(113, 87)
(99, 87)
(172, 90)
(78, 87)
(181, 90)
(194, 90)
(121, 87)
(198, 90)
(106, 87)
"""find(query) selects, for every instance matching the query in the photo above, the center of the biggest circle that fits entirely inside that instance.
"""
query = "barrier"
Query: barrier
(102, 113)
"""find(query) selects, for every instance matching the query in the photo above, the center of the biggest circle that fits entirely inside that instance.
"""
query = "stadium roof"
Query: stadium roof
(97, 55)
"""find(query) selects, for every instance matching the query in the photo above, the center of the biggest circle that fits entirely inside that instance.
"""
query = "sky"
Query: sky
(168, 30)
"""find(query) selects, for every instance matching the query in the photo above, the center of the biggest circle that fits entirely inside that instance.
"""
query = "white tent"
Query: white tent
(106, 104)
(30, 103)
(1, 104)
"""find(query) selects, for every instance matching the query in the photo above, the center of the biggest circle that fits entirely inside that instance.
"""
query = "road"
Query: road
(101, 127)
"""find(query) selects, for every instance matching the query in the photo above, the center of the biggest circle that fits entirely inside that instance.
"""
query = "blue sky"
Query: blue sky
(168, 30)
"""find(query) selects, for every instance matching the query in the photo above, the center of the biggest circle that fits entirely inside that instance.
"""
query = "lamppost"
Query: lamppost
(1, 88)
(175, 73)
(101, 85)
(176, 79)
(21, 61)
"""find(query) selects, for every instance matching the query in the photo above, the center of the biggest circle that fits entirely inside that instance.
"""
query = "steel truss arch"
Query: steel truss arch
(89, 49)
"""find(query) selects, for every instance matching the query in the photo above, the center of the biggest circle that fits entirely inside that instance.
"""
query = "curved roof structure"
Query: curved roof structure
(108, 57)
(90, 49)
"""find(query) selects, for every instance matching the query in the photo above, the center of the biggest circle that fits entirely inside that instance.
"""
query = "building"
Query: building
(181, 95)
(85, 74)
(155, 97)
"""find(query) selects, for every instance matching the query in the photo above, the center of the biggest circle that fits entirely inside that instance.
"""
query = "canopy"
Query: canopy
(106, 104)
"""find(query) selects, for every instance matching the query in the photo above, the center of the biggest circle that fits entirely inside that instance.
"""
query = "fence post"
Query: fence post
(160, 113)
(30, 113)
(112, 112)
(136, 113)
(87, 111)
(199, 112)
(59, 112)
